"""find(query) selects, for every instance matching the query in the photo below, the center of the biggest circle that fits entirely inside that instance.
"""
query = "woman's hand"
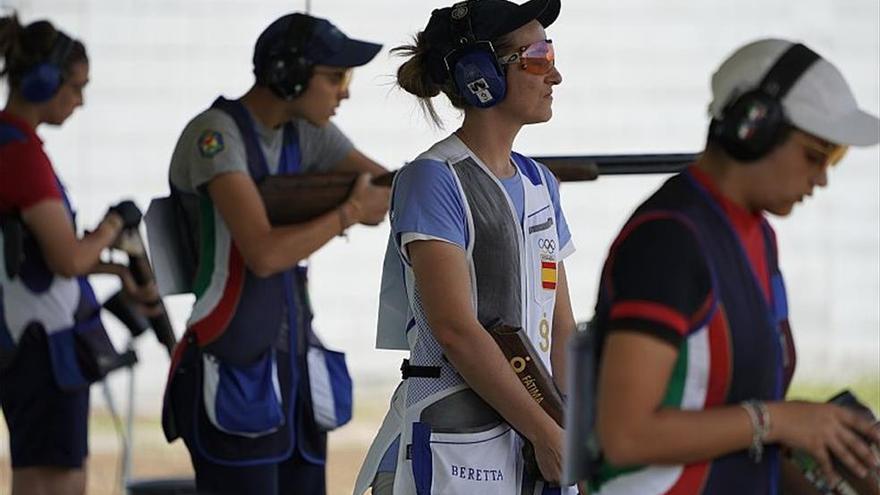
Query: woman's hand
(548, 453)
(367, 203)
(144, 297)
(823, 431)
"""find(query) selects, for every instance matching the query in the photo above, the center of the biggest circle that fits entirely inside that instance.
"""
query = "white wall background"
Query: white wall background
(635, 80)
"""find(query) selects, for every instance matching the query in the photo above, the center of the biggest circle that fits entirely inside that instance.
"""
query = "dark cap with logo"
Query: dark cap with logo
(489, 20)
(326, 45)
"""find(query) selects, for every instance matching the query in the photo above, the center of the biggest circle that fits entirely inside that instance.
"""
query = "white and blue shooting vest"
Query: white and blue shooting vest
(64, 308)
(451, 441)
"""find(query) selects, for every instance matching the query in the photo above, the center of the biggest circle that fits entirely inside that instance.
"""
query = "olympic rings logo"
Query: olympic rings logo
(548, 245)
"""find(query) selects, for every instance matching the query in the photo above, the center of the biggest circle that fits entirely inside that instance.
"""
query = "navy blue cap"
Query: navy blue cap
(327, 45)
(489, 20)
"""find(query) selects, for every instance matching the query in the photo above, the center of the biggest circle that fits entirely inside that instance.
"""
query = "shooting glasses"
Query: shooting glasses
(831, 153)
(537, 58)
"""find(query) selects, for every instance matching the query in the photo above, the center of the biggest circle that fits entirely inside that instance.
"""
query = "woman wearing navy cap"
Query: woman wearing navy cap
(239, 392)
(47, 306)
(478, 236)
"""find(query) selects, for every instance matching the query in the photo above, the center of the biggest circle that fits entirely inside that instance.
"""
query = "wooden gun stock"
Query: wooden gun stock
(139, 265)
(534, 376)
(530, 369)
(291, 199)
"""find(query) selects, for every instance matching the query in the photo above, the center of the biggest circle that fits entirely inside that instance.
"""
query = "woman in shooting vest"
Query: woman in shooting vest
(478, 237)
(696, 350)
(49, 318)
(239, 390)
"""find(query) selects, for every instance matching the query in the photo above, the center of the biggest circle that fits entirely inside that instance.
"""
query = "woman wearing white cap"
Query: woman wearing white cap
(696, 351)
(478, 236)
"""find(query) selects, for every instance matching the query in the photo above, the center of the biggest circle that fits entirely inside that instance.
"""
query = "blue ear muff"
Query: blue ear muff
(479, 79)
(41, 82)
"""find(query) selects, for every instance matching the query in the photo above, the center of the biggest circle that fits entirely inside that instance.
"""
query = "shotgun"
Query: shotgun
(530, 369)
(533, 375)
(581, 454)
(293, 199)
(850, 484)
(132, 244)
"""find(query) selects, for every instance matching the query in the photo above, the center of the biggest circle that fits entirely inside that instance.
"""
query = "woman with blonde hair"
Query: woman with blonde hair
(478, 237)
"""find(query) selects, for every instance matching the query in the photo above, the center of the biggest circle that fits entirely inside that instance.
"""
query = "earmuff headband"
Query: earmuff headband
(787, 70)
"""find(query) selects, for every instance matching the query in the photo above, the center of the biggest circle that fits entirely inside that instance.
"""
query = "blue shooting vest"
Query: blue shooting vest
(260, 408)
(64, 308)
(756, 331)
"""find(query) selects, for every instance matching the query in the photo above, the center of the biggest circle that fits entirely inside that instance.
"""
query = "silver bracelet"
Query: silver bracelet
(343, 221)
(759, 415)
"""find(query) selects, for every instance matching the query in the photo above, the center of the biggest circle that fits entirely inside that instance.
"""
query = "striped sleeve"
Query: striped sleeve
(659, 279)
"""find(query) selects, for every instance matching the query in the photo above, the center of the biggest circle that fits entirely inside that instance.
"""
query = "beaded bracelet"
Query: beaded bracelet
(760, 418)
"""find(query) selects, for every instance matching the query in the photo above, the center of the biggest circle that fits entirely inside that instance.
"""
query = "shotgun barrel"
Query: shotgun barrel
(291, 199)
(133, 245)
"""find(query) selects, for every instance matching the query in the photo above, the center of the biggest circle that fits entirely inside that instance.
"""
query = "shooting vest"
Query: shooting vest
(249, 352)
(737, 352)
(451, 441)
(64, 308)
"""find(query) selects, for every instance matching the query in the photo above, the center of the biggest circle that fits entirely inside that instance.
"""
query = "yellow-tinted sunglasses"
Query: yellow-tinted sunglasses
(340, 77)
(833, 153)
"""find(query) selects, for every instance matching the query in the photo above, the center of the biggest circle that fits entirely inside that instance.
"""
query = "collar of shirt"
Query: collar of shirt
(746, 224)
(742, 219)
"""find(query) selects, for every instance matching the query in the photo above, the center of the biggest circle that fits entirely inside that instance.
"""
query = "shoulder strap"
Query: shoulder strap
(9, 133)
(256, 160)
(528, 167)
(291, 154)
(770, 246)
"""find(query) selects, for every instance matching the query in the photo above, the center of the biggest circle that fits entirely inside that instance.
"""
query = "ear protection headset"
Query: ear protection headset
(473, 64)
(753, 123)
(287, 69)
(40, 82)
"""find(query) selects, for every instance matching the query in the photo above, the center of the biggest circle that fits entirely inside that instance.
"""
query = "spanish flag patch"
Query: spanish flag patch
(548, 275)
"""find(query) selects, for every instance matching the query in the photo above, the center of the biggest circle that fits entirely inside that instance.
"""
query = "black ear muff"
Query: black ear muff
(473, 65)
(41, 81)
(288, 69)
(754, 123)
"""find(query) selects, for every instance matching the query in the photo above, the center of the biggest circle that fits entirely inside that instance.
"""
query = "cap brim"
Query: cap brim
(354, 53)
(857, 128)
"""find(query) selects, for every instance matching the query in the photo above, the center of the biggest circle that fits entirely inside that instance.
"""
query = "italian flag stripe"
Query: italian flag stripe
(214, 323)
(719, 358)
(691, 480)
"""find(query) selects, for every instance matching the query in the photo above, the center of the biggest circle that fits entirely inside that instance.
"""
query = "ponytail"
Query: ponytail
(10, 42)
(23, 47)
(415, 77)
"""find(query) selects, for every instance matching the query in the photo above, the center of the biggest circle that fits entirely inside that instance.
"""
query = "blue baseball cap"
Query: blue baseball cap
(326, 45)
(487, 19)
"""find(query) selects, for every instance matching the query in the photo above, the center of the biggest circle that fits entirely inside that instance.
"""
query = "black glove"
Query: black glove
(129, 212)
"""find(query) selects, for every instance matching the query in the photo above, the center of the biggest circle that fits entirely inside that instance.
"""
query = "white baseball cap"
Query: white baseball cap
(820, 102)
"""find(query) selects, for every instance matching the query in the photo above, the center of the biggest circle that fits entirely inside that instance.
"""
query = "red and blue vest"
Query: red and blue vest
(736, 351)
